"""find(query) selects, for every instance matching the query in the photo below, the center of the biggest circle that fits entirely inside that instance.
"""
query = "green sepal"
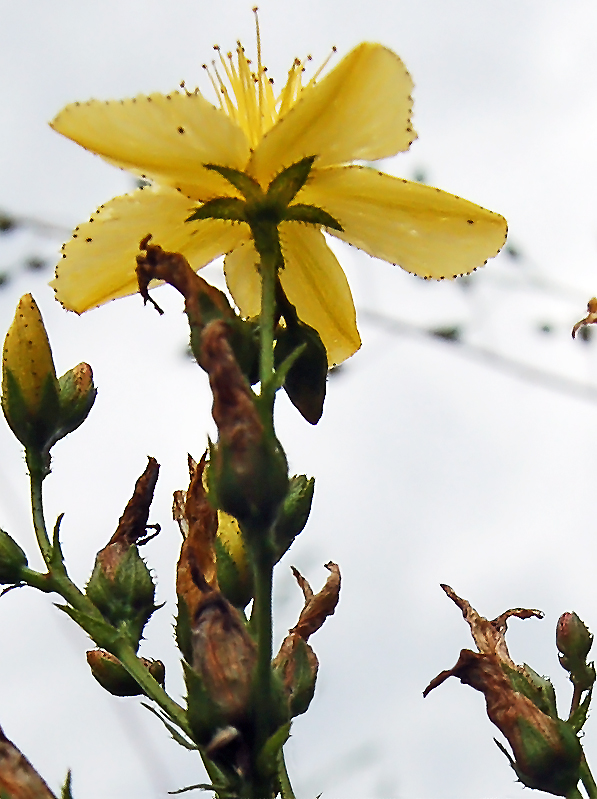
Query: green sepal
(180, 739)
(553, 772)
(579, 716)
(102, 633)
(229, 208)
(182, 630)
(237, 589)
(538, 689)
(203, 714)
(248, 186)
(294, 512)
(66, 788)
(35, 430)
(12, 560)
(311, 215)
(269, 756)
(286, 184)
(302, 689)
(127, 599)
(306, 379)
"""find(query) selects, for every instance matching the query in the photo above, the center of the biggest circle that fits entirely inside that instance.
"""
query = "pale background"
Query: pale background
(433, 463)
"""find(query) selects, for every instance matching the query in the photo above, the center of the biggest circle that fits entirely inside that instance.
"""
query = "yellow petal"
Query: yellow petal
(167, 138)
(315, 284)
(360, 110)
(98, 263)
(422, 229)
(242, 278)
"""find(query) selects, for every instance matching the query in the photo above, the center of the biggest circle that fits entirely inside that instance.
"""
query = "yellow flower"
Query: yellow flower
(360, 111)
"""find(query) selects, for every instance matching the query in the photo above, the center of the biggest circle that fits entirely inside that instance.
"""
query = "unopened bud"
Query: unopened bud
(77, 395)
(111, 674)
(293, 513)
(248, 472)
(234, 575)
(121, 586)
(12, 559)
(29, 385)
(574, 642)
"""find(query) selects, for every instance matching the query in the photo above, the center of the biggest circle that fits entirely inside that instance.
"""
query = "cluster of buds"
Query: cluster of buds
(39, 407)
(547, 753)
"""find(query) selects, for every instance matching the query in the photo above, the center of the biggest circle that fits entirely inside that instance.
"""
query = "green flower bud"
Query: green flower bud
(30, 388)
(305, 382)
(294, 512)
(12, 560)
(111, 674)
(574, 642)
(77, 395)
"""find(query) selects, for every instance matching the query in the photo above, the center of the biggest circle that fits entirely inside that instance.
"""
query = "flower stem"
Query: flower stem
(262, 617)
(587, 779)
(266, 322)
(285, 786)
(37, 473)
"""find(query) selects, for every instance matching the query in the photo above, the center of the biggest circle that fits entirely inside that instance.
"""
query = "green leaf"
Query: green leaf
(237, 589)
(286, 184)
(180, 739)
(182, 630)
(102, 633)
(202, 713)
(578, 718)
(292, 516)
(230, 208)
(66, 788)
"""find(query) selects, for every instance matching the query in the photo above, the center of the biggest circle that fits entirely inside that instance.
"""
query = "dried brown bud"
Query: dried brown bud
(18, 778)
(121, 586)
(547, 752)
(111, 674)
(198, 522)
(296, 661)
(589, 319)
(248, 470)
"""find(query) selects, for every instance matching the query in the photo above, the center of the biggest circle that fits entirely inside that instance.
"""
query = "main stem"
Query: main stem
(587, 779)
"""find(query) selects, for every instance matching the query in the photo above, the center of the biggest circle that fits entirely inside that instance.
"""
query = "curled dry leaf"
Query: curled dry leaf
(198, 523)
(317, 606)
(589, 319)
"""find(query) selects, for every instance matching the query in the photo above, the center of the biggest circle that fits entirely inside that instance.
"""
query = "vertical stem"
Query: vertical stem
(285, 786)
(266, 322)
(262, 614)
(37, 473)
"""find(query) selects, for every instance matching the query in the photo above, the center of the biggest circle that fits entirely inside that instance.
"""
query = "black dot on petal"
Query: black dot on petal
(64, 255)
(470, 221)
(168, 97)
(74, 237)
(88, 239)
(181, 130)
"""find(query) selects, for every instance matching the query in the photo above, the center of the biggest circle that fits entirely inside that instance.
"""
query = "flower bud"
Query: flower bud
(12, 560)
(234, 575)
(111, 674)
(294, 512)
(77, 395)
(574, 642)
(121, 586)
(30, 391)
(547, 751)
(248, 474)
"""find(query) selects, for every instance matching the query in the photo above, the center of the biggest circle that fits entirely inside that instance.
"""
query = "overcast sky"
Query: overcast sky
(433, 464)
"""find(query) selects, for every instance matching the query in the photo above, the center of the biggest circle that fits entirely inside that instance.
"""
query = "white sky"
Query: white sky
(431, 467)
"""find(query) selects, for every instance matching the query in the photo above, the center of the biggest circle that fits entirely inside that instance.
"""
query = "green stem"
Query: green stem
(574, 794)
(37, 473)
(262, 618)
(268, 271)
(587, 779)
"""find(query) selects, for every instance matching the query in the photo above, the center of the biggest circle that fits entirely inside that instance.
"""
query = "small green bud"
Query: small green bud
(12, 560)
(294, 512)
(77, 395)
(111, 674)
(305, 382)
(574, 642)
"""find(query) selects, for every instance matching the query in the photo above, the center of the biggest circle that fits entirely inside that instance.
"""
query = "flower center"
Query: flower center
(247, 95)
